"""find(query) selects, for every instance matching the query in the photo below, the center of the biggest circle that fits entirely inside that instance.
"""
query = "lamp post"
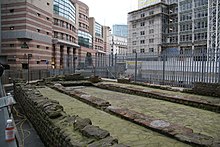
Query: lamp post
(29, 56)
(112, 50)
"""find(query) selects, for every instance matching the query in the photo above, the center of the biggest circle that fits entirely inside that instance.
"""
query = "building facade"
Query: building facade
(101, 38)
(119, 45)
(49, 34)
(86, 52)
(120, 30)
(65, 37)
(27, 32)
(146, 29)
(174, 26)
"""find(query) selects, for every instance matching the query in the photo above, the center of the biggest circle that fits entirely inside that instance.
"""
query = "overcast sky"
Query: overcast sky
(109, 12)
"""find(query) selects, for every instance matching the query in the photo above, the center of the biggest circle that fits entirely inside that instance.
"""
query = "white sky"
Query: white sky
(109, 12)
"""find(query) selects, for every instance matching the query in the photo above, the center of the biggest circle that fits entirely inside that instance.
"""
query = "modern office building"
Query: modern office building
(27, 32)
(86, 53)
(65, 37)
(119, 45)
(48, 34)
(120, 30)
(100, 35)
(174, 26)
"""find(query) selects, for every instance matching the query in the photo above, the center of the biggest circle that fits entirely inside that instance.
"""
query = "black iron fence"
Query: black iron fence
(175, 69)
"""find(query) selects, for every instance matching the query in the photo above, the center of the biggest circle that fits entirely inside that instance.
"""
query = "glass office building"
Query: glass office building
(120, 30)
(65, 8)
(84, 39)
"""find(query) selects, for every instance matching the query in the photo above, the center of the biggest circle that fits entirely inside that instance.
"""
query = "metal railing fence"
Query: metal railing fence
(174, 69)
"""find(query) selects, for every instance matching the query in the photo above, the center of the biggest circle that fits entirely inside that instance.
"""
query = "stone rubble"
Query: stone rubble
(52, 123)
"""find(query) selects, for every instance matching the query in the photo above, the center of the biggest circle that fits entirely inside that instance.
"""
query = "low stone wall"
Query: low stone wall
(208, 89)
(175, 131)
(124, 80)
(88, 99)
(178, 132)
(54, 126)
(162, 96)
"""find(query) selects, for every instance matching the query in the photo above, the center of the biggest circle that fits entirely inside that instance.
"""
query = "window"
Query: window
(151, 21)
(65, 8)
(55, 21)
(142, 32)
(47, 48)
(142, 23)
(143, 15)
(134, 51)
(142, 50)
(48, 18)
(38, 46)
(12, 45)
(48, 4)
(55, 34)
(67, 25)
(38, 14)
(142, 41)
(151, 12)
(134, 26)
(134, 33)
(151, 40)
(61, 36)
(151, 49)
(11, 10)
(38, 30)
(48, 33)
(134, 42)
(151, 31)
(12, 28)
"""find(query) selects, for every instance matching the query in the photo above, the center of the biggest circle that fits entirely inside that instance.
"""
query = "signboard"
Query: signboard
(131, 64)
(146, 3)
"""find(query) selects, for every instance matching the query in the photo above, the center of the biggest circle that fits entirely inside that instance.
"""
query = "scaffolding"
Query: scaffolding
(213, 42)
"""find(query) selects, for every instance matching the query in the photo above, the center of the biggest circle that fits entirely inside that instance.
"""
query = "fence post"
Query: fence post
(203, 65)
(163, 58)
(116, 65)
(219, 68)
(95, 64)
(135, 72)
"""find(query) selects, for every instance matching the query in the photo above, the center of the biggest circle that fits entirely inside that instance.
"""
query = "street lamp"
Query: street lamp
(112, 49)
(28, 61)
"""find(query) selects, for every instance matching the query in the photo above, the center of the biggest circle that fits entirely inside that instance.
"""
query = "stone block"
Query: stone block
(94, 131)
(108, 141)
(124, 80)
